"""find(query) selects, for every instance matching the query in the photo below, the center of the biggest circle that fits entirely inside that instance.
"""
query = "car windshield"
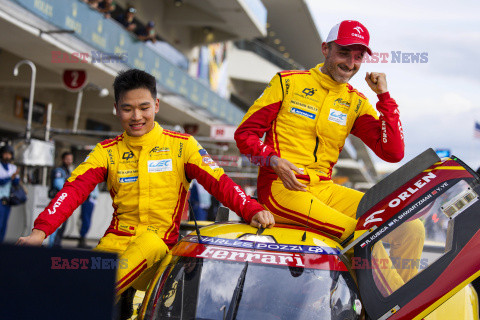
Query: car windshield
(197, 288)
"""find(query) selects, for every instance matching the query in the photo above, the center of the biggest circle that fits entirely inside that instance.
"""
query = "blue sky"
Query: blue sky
(438, 99)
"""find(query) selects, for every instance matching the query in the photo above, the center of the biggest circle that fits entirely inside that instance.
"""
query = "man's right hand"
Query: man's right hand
(34, 239)
(263, 219)
(377, 81)
(284, 170)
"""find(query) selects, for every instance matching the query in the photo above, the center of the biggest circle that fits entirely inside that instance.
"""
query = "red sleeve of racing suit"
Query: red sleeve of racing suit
(74, 192)
(383, 135)
(257, 121)
(201, 167)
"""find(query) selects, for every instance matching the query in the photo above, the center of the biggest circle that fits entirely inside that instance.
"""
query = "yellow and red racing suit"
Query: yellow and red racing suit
(306, 117)
(148, 178)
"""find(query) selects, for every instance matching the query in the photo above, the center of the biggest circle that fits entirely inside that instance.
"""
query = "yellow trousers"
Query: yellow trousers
(331, 208)
(139, 257)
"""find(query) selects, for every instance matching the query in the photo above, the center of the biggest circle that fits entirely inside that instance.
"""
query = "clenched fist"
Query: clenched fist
(377, 82)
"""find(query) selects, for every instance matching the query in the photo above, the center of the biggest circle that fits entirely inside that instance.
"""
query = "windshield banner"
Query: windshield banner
(290, 259)
(262, 245)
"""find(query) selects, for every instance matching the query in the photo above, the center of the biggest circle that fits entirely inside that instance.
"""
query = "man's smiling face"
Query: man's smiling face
(136, 110)
(342, 62)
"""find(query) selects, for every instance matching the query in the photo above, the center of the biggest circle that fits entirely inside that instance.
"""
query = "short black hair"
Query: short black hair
(66, 153)
(134, 79)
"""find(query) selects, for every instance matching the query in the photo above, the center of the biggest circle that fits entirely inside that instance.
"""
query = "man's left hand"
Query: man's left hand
(377, 82)
(263, 219)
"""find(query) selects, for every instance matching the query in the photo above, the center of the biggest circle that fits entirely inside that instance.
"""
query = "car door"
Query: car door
(417, 237)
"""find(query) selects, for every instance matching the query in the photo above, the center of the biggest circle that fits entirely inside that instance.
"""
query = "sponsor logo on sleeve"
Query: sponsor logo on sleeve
(337, 117)
(163, 165)
(180, 150)
(57, 203)
(358, 105)
(207, 160)
(110, 156)
(287, 85)
(241, 194)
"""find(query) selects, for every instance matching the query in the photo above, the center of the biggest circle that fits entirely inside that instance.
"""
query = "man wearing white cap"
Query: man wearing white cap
(306, 117)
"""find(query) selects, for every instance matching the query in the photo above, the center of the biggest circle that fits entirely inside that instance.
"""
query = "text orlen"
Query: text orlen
(241, 194)
(94, 263)
(401, 197)
(411, 190)
(57, 203)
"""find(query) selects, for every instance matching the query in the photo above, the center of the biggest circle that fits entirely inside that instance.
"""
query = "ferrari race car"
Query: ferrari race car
(233, 271)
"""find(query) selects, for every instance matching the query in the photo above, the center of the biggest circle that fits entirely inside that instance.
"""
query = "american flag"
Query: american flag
(476, 131)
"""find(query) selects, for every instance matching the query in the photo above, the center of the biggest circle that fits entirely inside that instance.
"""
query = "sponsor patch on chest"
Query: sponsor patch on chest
(303, 113)
(128, 179)
(163, 165)
(337, 117)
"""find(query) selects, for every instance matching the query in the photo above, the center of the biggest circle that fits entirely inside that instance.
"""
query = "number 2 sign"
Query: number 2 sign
(74, 80)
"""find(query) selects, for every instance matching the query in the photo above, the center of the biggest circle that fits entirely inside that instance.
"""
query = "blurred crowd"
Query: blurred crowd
(126, 17)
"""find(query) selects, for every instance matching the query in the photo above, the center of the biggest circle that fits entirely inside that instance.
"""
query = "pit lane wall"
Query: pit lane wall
(22, 217)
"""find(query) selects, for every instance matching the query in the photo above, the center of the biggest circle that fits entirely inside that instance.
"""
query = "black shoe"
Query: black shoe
(83, 244)
(126, 303)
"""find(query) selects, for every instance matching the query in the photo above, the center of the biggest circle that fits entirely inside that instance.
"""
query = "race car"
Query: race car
(233, 271)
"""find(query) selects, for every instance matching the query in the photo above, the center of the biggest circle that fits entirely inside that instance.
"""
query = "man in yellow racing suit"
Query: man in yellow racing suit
(148, 171)
(306, 117)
